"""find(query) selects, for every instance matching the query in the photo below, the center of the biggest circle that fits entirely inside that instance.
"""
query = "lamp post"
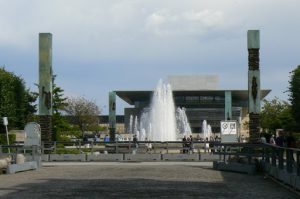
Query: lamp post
(5, 122)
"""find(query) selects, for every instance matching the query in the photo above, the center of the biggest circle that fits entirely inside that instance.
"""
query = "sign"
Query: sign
(228, 128)
(32, 134)
(5, 121)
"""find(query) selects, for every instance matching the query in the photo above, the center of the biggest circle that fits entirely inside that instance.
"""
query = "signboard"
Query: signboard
(229, 131)
(228, 127)
(32, 134)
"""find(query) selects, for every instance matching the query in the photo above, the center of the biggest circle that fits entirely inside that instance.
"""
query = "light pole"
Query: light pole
(5, 122)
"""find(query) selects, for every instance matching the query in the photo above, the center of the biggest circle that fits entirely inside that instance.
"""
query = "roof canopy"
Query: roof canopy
(132, 96)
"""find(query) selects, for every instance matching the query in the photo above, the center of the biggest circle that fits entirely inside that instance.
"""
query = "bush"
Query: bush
(12, 139)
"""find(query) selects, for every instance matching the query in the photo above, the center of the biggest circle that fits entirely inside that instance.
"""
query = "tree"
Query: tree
(276, 114)
(59, 103)
(16, 102)
(294, 95)
(85, 112)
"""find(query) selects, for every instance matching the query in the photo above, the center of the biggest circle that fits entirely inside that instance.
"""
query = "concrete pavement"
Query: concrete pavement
(137, 180)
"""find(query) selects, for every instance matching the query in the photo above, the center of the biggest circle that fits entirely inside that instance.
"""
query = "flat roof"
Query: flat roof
(132, 96)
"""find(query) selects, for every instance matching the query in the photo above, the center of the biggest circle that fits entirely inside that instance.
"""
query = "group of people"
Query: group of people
(282, 140)
(187, 144)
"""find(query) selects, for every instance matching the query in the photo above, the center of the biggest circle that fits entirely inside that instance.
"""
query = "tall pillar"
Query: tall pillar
(253, 84)
(228, 105)
(45, 85)
(112, 115)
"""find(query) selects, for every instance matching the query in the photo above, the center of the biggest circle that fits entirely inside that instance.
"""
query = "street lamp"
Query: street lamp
(5, 122)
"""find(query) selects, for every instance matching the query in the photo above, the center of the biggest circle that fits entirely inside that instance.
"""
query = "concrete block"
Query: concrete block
(180, 157)
(105, 157)
(67, 157)
(142, 157)
(45, 157)
(14, 168)
(209, 157)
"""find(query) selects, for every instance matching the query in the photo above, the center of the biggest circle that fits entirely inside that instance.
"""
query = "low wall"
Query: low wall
(180, 157)
(67, 157)
(142, 157)
(206, 157)
(105, 157)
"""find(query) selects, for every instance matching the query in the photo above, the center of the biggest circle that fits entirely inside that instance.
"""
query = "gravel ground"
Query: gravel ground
(138, 180)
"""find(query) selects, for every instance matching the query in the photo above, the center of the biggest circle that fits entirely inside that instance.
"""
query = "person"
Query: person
(272, 140)
(191, 144)
(206, 145)
(280, 139)
(188, 144)
(184, 150)
(263, 139)
(85, 138)
(290, 140)
(148, 145)
(135, 142)
(106, 138)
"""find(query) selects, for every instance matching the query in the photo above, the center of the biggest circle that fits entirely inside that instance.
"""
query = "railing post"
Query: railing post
(224, 153)
(117, 146)
(289, 164)
(54, 147)
(267, 155)
(79, 143)
(92, 147)
(298, 163)
(249, 154)
(273, 156)
(280, 158)
(167, 147)
(43, 147)
(129, 148)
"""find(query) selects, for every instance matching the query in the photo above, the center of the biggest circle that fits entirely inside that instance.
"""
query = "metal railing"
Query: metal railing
(283, 158)
(127, 147)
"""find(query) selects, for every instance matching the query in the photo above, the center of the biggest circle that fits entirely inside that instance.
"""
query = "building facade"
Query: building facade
(201, 98)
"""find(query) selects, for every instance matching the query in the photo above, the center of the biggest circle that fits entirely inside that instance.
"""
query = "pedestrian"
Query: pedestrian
(290, 140)
(135, 142)
(280, 139)
(184, 144)
(106, 138)
(272, 140)
(148, 145)
(191, 144)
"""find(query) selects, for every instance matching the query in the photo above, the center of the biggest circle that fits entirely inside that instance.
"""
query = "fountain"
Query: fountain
(206, 130)
(183, 125)
(162, 114)
(160, 121)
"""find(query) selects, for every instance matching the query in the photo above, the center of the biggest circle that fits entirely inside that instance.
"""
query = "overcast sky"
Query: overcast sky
(105, 45)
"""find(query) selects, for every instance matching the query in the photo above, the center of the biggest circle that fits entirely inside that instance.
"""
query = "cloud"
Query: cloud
(186, 23)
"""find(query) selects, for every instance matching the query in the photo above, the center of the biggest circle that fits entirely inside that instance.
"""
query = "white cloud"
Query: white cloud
(185, 23)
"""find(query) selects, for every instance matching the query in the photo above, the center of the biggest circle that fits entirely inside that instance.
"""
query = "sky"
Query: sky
(105, 45)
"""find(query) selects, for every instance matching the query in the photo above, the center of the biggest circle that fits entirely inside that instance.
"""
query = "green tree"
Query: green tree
(60, 124)
(16, 102)
(276, 114)
(83, 111)
(294, 95)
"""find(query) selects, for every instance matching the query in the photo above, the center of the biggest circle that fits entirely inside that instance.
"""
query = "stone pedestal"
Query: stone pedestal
(254, 123)
(45, 122)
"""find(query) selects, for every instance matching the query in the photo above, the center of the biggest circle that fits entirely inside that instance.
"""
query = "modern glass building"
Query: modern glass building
(201, 98)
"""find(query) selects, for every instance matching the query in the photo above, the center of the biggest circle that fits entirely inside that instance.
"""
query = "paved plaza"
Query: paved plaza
(138, 180)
